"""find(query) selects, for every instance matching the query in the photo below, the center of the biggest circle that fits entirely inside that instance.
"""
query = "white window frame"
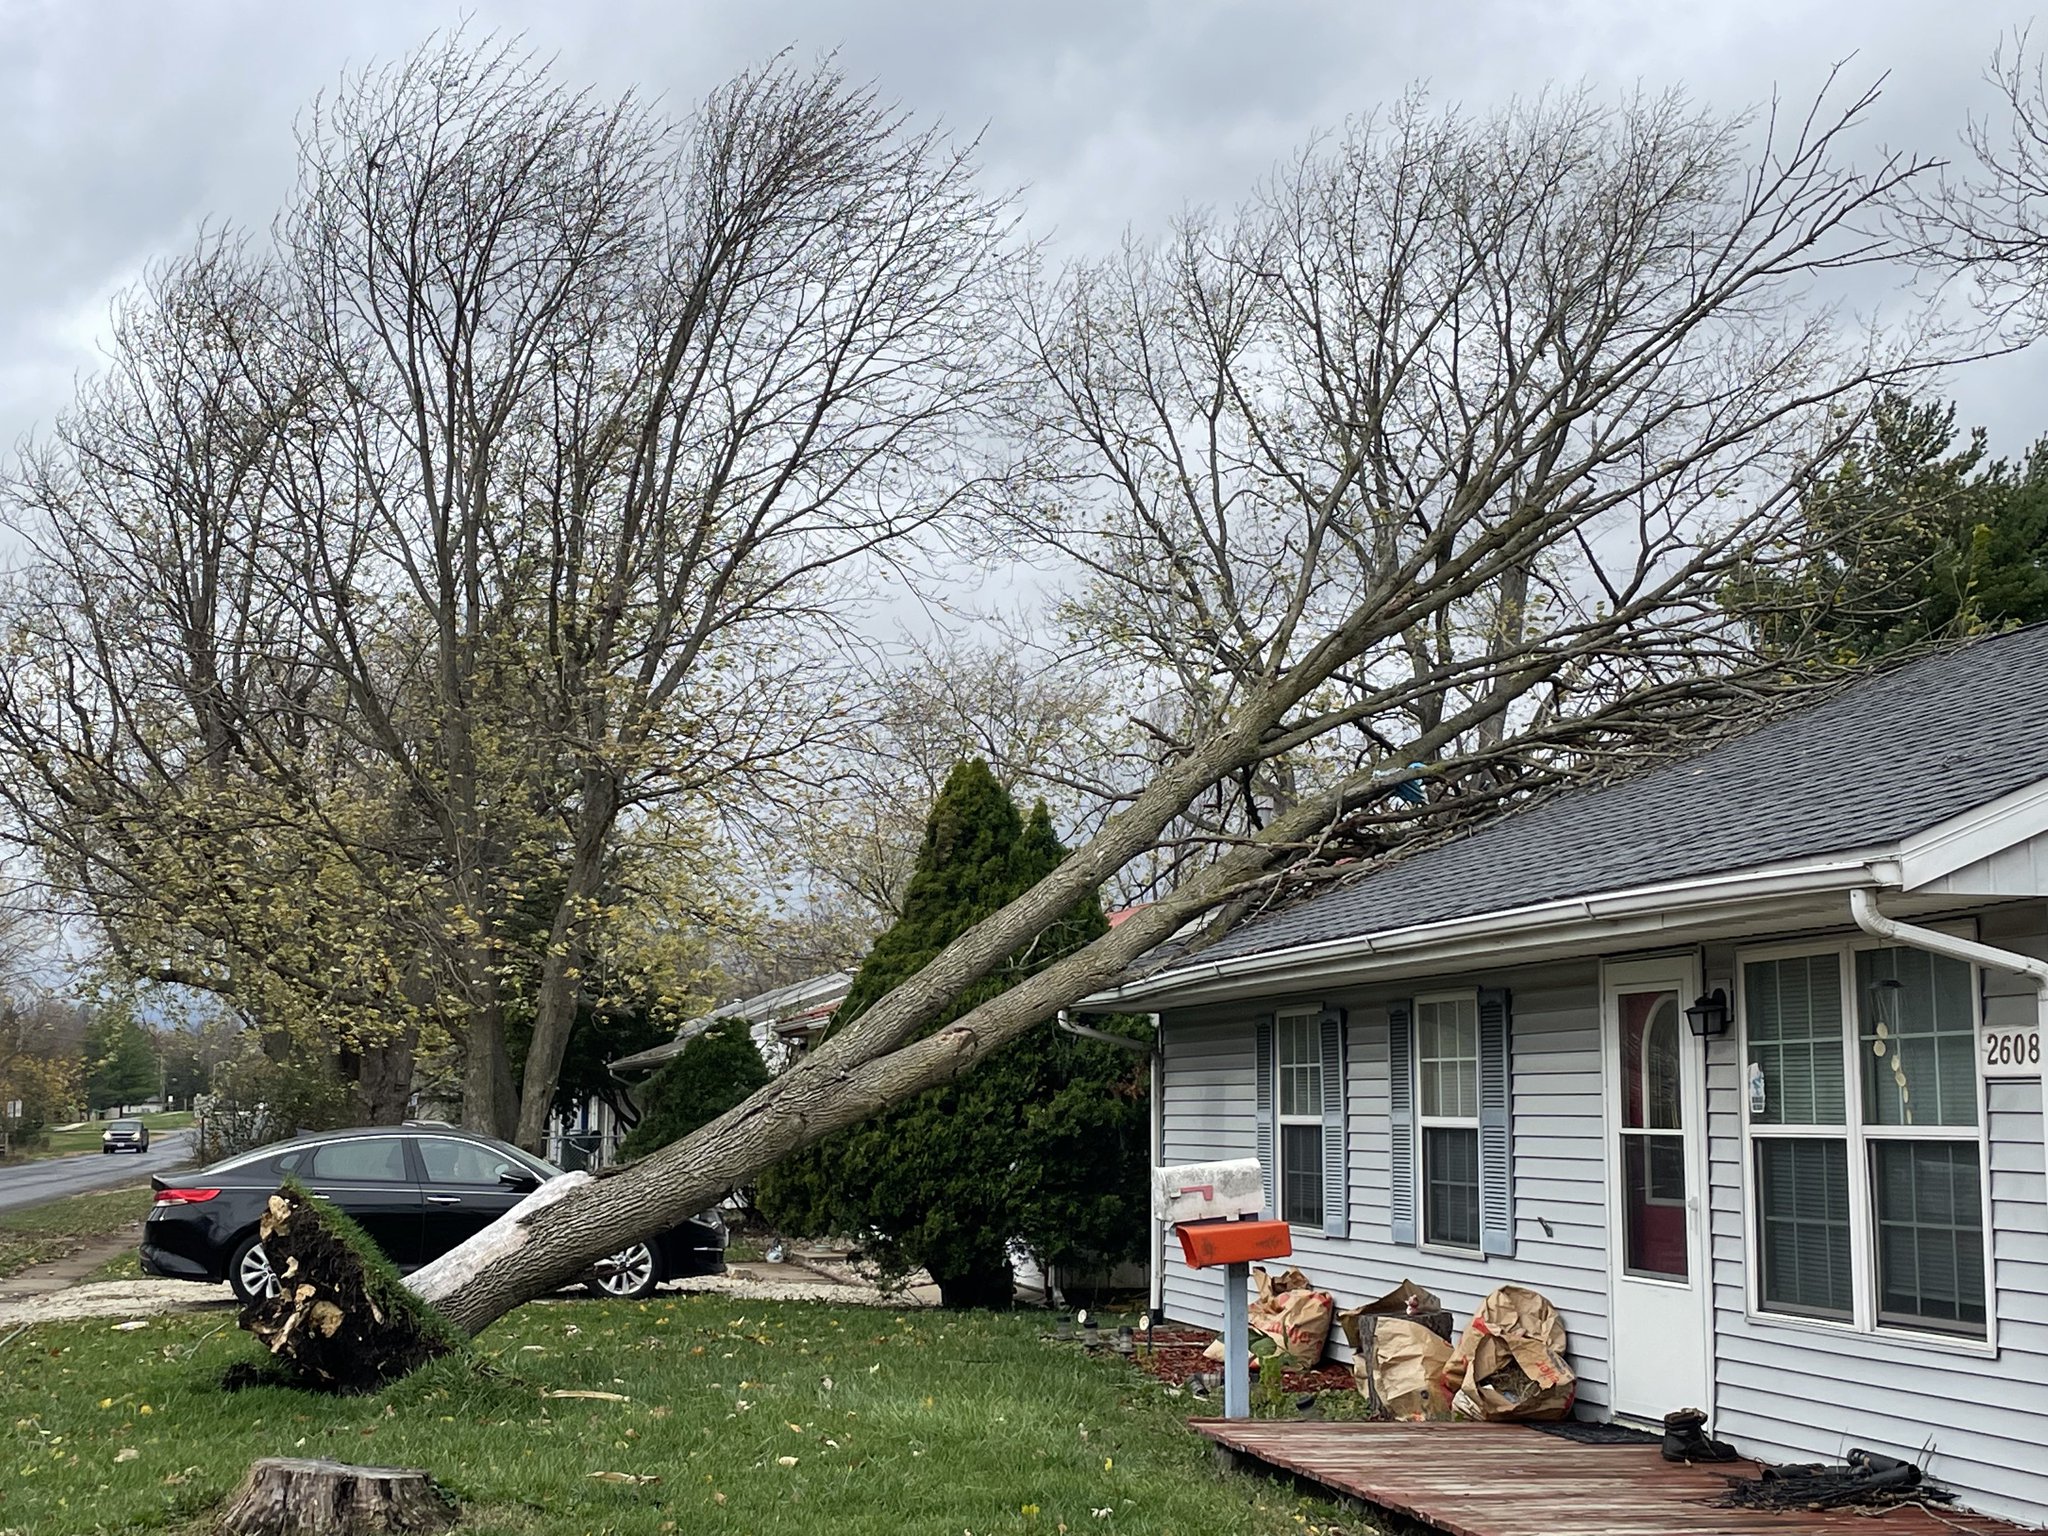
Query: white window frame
(1468, 997)
(1310, 1021)
(1858, 1136)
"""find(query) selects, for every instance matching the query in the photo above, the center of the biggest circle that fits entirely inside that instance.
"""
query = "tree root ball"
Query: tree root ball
(342, 1320)
(294, 1496)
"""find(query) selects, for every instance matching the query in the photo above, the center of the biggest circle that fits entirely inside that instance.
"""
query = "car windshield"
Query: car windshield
(127, 1125)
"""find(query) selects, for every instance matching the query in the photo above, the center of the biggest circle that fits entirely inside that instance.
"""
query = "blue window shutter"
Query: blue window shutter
(1336, 1170)
(1262, 1050)
(1496, 1127)
(1401, 1121)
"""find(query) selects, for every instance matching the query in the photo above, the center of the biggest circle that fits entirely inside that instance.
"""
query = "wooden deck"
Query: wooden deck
(1508, 1480)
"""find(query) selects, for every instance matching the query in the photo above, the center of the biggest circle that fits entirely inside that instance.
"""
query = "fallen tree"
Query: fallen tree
(1433, 466)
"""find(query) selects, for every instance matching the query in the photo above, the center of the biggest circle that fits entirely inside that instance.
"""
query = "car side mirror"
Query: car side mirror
(518, 1178)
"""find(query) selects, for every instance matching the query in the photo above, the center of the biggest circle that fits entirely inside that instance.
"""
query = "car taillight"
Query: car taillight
(184, 1196)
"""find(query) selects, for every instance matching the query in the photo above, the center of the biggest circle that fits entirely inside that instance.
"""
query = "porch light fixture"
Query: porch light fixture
(1884, 1005)
(1708, 1016)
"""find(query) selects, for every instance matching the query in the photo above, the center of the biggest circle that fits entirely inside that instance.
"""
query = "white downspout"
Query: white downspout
(1863, 907)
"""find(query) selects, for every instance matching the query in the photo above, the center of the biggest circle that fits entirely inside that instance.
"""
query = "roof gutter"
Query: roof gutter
(1646, 910)
(1863, 907)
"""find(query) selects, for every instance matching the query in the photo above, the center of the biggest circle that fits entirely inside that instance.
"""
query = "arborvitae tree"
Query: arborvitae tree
(702, 1081)
(1042, 1144)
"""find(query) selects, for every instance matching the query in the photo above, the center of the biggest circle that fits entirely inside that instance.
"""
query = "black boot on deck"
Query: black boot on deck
(1685, 1438)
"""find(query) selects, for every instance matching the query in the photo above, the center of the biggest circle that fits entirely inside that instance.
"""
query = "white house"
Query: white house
(1738, 1061)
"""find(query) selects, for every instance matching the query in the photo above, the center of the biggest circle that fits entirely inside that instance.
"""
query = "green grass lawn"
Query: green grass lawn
(736, 1418)
(87, 1137)
(51, 1230)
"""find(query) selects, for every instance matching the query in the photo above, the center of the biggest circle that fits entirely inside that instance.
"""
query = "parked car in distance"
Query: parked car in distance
(417, 1190)
(125, 1136)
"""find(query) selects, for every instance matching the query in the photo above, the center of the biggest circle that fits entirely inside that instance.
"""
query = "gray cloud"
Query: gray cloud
(124, 129)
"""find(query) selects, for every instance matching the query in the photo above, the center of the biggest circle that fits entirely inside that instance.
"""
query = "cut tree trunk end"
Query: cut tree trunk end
(293, 1496)
(341, 1320)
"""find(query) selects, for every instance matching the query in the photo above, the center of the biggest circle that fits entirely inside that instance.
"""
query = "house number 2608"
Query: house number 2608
(2012, 1052)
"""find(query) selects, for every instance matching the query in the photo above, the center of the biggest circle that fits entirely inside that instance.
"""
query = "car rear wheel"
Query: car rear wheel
(629, 1274)
(249, 1271)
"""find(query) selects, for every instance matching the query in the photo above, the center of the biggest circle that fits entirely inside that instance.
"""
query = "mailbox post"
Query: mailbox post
(1217, 1210)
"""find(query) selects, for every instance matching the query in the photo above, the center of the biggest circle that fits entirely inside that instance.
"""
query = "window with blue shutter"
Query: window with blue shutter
(1300, 1084)
(1451, 1121)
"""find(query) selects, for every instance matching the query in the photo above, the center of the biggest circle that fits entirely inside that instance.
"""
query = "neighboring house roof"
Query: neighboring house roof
(1886, 757)
(793, 1008)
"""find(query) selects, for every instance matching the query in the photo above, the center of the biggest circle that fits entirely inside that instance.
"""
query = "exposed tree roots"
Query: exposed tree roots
(341, 1321)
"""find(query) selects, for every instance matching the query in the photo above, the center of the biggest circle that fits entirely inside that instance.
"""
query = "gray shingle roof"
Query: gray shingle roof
(1885, 757)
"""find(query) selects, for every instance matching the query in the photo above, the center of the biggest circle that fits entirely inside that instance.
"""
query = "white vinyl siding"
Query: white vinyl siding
(1210, 1111)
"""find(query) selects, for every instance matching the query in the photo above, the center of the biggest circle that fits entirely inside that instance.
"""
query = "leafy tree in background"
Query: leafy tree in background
(707, 1077)
(1044, 1143)
(121, 1066)
(41, 1065)
(1916, 537)
(184, 1067)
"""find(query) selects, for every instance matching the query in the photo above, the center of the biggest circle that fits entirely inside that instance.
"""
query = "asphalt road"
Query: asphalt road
(52, 1178)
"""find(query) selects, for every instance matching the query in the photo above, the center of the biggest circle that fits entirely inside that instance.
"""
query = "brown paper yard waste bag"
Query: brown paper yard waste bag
(1510, 1364)
(1404, 1374)
(1294, 1316)
(1404, 1300)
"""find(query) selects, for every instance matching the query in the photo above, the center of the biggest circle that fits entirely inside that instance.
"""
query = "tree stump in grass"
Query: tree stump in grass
(341, 1319)
(294, 1496)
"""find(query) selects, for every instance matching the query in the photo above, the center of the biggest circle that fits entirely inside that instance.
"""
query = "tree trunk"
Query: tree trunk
(293, 1496)
(488, 1104)
(561, 987)
(383, 1077)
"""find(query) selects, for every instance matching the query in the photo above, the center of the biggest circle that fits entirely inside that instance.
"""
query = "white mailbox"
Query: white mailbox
(1208, 1191)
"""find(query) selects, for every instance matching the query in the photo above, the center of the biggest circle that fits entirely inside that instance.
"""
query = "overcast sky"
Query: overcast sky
(124, 124)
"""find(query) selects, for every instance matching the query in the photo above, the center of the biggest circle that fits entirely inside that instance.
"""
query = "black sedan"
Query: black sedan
(418, 1191)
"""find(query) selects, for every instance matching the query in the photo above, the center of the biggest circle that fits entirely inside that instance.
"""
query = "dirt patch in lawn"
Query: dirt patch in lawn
(1176, 1354)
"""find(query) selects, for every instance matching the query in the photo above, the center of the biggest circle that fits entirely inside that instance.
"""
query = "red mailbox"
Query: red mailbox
(1233, 1242)
(1219, 1211)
